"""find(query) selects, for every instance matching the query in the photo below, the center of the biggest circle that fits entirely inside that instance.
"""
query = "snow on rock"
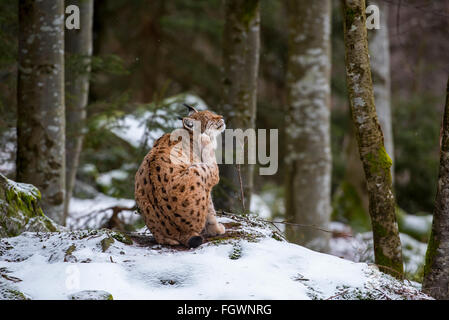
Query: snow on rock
(20, 210)
(250, 261)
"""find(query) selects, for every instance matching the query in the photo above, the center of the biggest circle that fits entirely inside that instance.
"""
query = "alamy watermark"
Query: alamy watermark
(72, 20)
(235, 146)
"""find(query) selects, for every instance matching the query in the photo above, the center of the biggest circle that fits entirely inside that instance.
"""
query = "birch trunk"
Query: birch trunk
(308, 161)
(40, 119)
(436, 270)
(78, 45)
(375, 160)
(241, 45)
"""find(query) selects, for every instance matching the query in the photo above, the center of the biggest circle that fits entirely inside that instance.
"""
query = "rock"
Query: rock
(20, 210)
(91, 295)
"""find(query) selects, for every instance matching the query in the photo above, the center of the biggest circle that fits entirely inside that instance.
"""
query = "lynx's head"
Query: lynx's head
(211, 124)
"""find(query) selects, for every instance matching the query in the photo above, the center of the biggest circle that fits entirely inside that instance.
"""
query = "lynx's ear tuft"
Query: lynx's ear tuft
(191, 109)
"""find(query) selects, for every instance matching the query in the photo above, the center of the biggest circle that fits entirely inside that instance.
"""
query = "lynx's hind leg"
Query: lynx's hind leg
(164, 240)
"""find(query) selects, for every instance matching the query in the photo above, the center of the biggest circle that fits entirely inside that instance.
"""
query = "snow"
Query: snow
(93, 213)
(260, 207)
(8, 152)
(359, 248)
(66, 264)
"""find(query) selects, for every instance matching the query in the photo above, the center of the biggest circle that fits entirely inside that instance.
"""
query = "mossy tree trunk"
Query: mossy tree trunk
(379, 49)
(78, 50)
(40, 119)
(241, 43)
(375, 160)
(378, 45)
(308, 162)
(436, 270)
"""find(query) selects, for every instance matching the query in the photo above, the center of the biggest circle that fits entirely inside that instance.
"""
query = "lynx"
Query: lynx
(173, 189)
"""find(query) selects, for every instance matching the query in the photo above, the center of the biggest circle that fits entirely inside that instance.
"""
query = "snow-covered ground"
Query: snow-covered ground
(248, 263)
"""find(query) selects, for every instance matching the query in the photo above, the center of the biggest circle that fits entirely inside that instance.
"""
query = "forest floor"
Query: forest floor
(251, 261)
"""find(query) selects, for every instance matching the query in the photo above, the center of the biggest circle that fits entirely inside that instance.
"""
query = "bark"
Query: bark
(78, 45)
(436, 270)
(241, 45)
(379, 48)
(378, 44)
(375, 160)
(40, 119)
(308, 161)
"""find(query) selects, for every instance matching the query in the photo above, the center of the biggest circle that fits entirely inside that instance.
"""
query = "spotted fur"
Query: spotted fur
(174, 197)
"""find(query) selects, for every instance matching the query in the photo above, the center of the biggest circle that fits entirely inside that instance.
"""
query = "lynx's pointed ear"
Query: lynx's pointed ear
(191, 109)
(187, 123)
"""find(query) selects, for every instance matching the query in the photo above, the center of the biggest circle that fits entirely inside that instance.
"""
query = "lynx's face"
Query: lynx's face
(211, 123)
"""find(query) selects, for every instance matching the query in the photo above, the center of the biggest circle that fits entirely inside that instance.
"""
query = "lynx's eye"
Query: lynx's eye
(188, 123)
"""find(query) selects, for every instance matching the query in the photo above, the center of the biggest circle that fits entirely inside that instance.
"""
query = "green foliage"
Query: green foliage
(347, 208)
(416, 128)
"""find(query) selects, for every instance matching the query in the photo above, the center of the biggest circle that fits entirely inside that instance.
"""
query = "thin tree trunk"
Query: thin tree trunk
(78, 45)
(378, 44)
(375, 160)
(308, 163)
(241, 45)
(379, 48)
(40, 120)
(436, 270)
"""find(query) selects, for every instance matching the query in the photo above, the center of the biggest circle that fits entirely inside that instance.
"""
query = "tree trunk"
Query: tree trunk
(40, 119)
(308, 161)
(378, 44)
(78, 46)
(241, 45)
(436, 270)
(379, 48)
(375, 160)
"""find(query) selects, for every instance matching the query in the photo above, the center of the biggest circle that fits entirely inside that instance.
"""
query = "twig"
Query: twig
(338, 294)
(242, 196)
(401, 275)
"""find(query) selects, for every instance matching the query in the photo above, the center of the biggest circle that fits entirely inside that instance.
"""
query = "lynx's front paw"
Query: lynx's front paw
(207, 152)
(215, 229)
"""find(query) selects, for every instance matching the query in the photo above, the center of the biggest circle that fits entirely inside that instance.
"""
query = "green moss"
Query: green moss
(91, 295)
(106, 243)
(380, 162)
(248, 12)
(432, 248)
(348, 208)
(20, 210)
(236, 252)
(387, 265)
(350, 15)
(11, 294)
(70, 250)
(122, 238)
